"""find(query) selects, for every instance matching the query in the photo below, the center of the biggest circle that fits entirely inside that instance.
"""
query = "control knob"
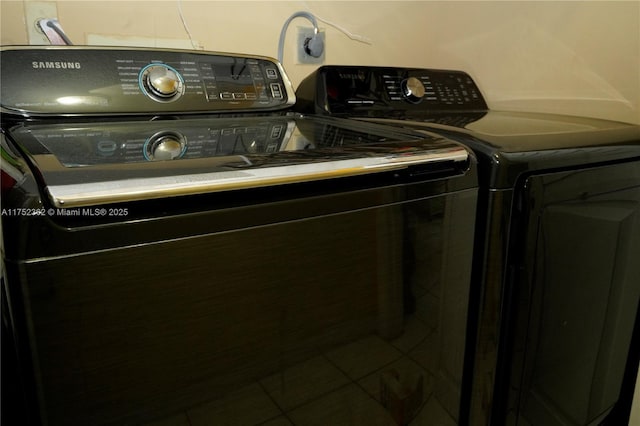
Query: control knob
(165, 146)
(161, 82)
(412, 89)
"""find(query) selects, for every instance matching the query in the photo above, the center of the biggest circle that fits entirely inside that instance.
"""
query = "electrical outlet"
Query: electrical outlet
(34, 11)
(303, 57)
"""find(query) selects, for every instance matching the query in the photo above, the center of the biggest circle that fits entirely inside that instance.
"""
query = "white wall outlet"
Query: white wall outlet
(303, 57)
(34, 11)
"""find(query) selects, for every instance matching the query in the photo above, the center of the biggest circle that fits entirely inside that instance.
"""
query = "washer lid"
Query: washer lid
(82, 164)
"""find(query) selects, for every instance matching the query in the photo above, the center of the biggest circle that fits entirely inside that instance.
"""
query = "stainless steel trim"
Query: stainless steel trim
(143, 49)
(87, 194)
(288, 86)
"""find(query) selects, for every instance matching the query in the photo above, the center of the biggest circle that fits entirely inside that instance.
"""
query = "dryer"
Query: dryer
(556, 282)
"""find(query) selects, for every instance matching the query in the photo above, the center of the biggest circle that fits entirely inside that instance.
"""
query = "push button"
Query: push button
(271, 73)
(276, 90)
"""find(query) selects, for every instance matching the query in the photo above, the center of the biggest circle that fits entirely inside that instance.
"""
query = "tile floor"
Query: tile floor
(340, 386)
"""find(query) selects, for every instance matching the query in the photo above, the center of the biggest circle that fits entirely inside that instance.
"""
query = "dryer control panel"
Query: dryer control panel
(72, 80)
(372, 91)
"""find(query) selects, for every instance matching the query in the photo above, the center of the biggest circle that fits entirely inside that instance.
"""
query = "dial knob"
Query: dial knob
(161, 82)
(166, 146)
(413, 90)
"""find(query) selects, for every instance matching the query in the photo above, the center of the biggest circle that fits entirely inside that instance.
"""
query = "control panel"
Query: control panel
(71, 80)
(372, 91)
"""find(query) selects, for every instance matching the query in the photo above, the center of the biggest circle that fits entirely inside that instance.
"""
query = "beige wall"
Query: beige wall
(578, 58)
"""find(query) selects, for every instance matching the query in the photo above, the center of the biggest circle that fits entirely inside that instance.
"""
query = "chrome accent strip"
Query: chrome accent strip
(288, 86)
(86, 194)
(142, 49)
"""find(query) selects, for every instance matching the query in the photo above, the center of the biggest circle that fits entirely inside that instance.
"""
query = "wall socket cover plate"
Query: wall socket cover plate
(34, 11)
(301, 56)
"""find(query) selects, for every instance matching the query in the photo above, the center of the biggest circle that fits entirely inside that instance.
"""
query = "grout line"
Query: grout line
(316, 398)
(264, 389)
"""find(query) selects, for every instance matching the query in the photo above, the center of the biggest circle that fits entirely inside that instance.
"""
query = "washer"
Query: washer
(556, 279)
(177, 242)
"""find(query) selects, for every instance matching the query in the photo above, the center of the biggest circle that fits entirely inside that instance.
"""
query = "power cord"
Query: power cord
(186, 27)
(314, 46)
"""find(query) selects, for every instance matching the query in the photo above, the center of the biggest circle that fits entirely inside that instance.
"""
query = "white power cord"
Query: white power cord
(186, 27)
(315, 46)
(355, 37)
(315, 42)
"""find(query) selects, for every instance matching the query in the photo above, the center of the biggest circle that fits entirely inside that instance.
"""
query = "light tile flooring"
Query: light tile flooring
(338, 387)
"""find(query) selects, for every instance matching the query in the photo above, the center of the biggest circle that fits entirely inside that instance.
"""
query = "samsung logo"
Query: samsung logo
(56, 65)
(360, 75)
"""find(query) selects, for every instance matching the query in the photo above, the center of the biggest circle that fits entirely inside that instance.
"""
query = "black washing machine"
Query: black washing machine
(556, 279)
(180, 247)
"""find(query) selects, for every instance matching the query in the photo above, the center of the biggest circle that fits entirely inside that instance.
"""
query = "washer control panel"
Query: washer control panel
(72, 80)
(359, 91)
